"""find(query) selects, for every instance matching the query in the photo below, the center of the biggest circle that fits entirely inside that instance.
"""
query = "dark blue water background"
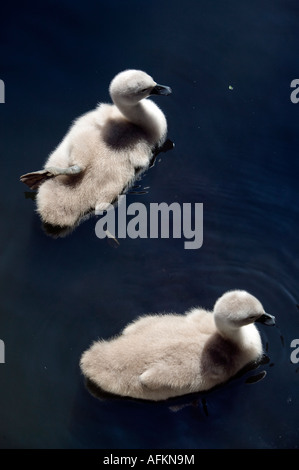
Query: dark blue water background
(230, 65)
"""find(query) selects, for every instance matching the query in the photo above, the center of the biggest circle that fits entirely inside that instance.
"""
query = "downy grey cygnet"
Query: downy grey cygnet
(102, 153)
(166, 355)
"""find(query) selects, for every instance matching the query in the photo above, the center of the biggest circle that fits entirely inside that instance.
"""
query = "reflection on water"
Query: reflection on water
(256, 378)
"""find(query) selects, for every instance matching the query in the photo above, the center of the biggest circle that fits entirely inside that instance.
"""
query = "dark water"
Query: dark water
(230, 65)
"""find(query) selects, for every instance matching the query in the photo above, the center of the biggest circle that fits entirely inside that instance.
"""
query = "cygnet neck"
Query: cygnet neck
(228, 331)
(144, 114)
(134, 113)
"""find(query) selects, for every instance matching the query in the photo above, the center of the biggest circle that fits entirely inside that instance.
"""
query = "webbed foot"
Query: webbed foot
(36, 178)
(168, 145)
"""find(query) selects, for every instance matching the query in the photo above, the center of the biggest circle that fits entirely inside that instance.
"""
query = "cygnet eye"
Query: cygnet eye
(252, 317)
(144, 90)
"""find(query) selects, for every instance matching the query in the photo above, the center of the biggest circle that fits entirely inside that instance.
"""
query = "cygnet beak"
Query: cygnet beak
(161, 90)
(266, 319)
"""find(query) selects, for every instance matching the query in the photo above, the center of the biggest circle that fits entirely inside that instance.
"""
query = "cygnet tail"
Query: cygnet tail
(94, 364)
(59, 204)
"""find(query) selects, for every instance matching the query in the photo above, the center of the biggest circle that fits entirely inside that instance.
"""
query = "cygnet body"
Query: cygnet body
(167, 355)
(101, 154)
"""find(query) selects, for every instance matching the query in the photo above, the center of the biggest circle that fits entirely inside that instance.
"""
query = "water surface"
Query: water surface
(230, 65)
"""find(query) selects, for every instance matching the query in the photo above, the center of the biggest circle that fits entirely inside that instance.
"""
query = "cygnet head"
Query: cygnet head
(131, 86)
(239, 308)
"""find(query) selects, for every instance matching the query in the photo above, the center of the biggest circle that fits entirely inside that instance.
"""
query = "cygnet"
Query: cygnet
(102, 153)
(167, 355)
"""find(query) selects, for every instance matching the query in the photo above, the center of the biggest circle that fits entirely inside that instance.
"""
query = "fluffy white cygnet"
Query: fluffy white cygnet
(162, 356)
(99, 157)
